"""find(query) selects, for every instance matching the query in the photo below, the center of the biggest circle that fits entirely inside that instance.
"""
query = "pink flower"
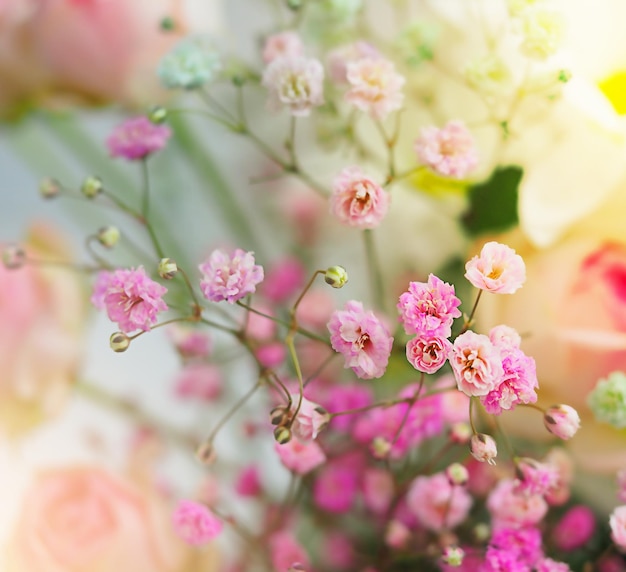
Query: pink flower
(248, 483)
(476, 364)
(497, 269)
(510, 508)
(574, 529)
(536, 478)
(617, 522)
(283, 44)
(429, 308)
(259, 327)
(229, 277)
(343, 398)
(436, 503)
(505, 337)
(195, 523)
(357, 200)
(130, 297)
(301, 458)
(137, 138)
(190, 343)
(397, 535)
(199, 381)
(296, 83)
(362, 338)
(378, 489)
(336, 486)
(271, 355)
(284, 279)
(339, 58)
(521, 546)
(285, 551)
(449, 151)
(428, 353)
(311, 419)
(549, 565)
(562, 421)
(375, 86)
(621, 485)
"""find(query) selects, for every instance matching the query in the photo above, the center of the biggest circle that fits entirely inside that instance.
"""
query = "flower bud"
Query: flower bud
(279, 415)
(282, 434)
(483, 448)
(91, 187)
(562, 421)
(453, 556)
(294, 4)
(49, 188)
(167, 268)
(482, 532)
(108, 236)
(460, 432)
(119, 342)
(13, 257)
(457, 474)
(296, 567)
(167, 24)
(205, 453)
(336, 276)
(380, 447)
(157, 115)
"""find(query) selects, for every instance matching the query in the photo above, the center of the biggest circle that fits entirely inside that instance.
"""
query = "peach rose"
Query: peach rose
(42, 313)
(83, 519)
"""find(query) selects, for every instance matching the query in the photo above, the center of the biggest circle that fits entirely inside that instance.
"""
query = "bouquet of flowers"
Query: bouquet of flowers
(362, 277)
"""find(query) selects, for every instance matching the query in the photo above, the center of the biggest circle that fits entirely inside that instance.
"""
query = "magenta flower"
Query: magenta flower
(449, 151)
(195, 523)
(136, 138)
(574, 529)
(428, 353)
(357, 200)
(299, 457)
(362, 338)
(130, 297)
(497, 269)
(229, 277)
(336, 486)
(429, 308)
(476, 364)
(519, 546)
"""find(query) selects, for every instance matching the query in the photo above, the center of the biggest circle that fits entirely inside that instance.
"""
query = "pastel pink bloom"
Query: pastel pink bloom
(296, 83)
(429, 308)
(311, 419)
(272, 354)
(617, 522)
(562, 462)
(496, 269)
(343, 398)
(336, 486)
(375, 86)
(549, 565)
(130, 297)
(511, 509)
(562, 421)
(574, 529)
(229, 277)
(476, 364)
(436, 503)
(248, 483)
(199, 381)
(362, 338)
(517, 385)
(449, 151)
(339, 58)
(621, 484)
(505, 337)
(190, 343)
(378, 489)
(299, 457)
(397, 534)
(428, 353)
(536, 478)
(285, 551)
(284, 279)
(357, 201)
(283, 44)
(195, 523)
(483, 448)
(136, 138)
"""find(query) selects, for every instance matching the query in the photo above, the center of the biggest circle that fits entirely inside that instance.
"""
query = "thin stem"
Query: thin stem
(219, 326)
(98, 259)
(236, 406)
(376, 276)
(468, 321)
(471, 416)
(145, 202)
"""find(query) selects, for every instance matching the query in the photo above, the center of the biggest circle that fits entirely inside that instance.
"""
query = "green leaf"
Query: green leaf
(493, 204)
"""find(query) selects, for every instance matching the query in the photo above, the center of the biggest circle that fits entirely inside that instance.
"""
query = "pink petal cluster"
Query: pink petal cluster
(296, 83)
(283, 44)
(550, 565)
(336, 486)
(195, 523)
(449, 151)
(497, 269)
(375, 86)
(248, 483)
(476, 364)
(617, 522)
(436, 503)
(311, 419)
(201, 381)
(136, 138)
(536, 478)
(357, 201)
(362, 339)
(229, 277)
(284, 279)
(130, 297)
(190, 343)
(513, 549)
(343, 398)
(511, 508)
(429, 308)
(378, 489)
(428, 353)
(339, 58)
(299, 457)
(574, 529)
(285, 551)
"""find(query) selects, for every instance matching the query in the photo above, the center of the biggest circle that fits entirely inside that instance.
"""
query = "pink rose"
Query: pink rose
(83, 518)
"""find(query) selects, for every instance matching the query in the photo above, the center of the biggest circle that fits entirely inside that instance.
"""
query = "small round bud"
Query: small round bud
(282, 434)
(119, 342)
(336, 276)
(167, 24)
(279, 415)
(380, 447)
(457, 474)
(453, 556)
(294, 4)
(157, 115)
(108, 236)
(565, 75)
(205, 453)
(483, 448)
(167, 268)
(562, 421)
(49, 188)
(91, 187)
(482, 532)
(13, 257)
(460, 432)
(238, 80)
